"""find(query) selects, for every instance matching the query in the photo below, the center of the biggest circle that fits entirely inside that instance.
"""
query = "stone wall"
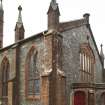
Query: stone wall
(71, 47)
(10, 54)
(70, 63)
(24, 50)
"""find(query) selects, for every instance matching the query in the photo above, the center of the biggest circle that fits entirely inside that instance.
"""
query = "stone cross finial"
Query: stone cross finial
(1, 8)
(101, 52)
(1, 3)
(20, 8)
(20, 16)
(54, 1)
(101, 45)
(54, 4)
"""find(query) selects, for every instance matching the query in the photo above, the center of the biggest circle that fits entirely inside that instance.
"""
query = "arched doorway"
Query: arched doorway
(79, 98)
(5, 67)
(103, 99)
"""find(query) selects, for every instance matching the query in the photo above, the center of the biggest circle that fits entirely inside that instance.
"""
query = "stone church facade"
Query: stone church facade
(60, 66)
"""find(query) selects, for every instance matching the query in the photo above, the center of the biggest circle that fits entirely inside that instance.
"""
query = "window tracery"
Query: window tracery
(33, 76)
(87, 61)
(5, 68)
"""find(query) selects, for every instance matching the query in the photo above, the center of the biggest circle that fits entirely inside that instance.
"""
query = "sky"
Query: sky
(34, 16)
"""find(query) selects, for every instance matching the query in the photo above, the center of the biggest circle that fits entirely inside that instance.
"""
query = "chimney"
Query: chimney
(86, 16)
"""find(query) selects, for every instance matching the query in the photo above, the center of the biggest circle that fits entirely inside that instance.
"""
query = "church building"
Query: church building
(60, 66)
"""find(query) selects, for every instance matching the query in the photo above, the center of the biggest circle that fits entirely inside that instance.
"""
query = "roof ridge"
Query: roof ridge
(71, 24)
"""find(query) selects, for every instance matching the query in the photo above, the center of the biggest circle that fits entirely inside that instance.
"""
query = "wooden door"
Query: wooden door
(79, 98)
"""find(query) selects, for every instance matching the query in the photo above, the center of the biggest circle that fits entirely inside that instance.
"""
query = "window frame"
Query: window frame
(33, 96)
(5, 69)
(87, 57)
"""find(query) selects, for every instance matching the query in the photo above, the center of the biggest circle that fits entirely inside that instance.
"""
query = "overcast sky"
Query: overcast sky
(35, 18)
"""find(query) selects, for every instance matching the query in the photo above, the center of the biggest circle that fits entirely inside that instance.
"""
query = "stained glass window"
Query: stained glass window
(33, 74)
(5, 76)
(86, 63)
(37, 86)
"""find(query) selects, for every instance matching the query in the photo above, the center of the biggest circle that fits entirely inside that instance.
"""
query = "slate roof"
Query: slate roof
(62, 27)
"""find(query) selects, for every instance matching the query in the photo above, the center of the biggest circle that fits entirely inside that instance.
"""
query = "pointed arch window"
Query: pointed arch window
(32, 75)
(5, 68)
(87, 61)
